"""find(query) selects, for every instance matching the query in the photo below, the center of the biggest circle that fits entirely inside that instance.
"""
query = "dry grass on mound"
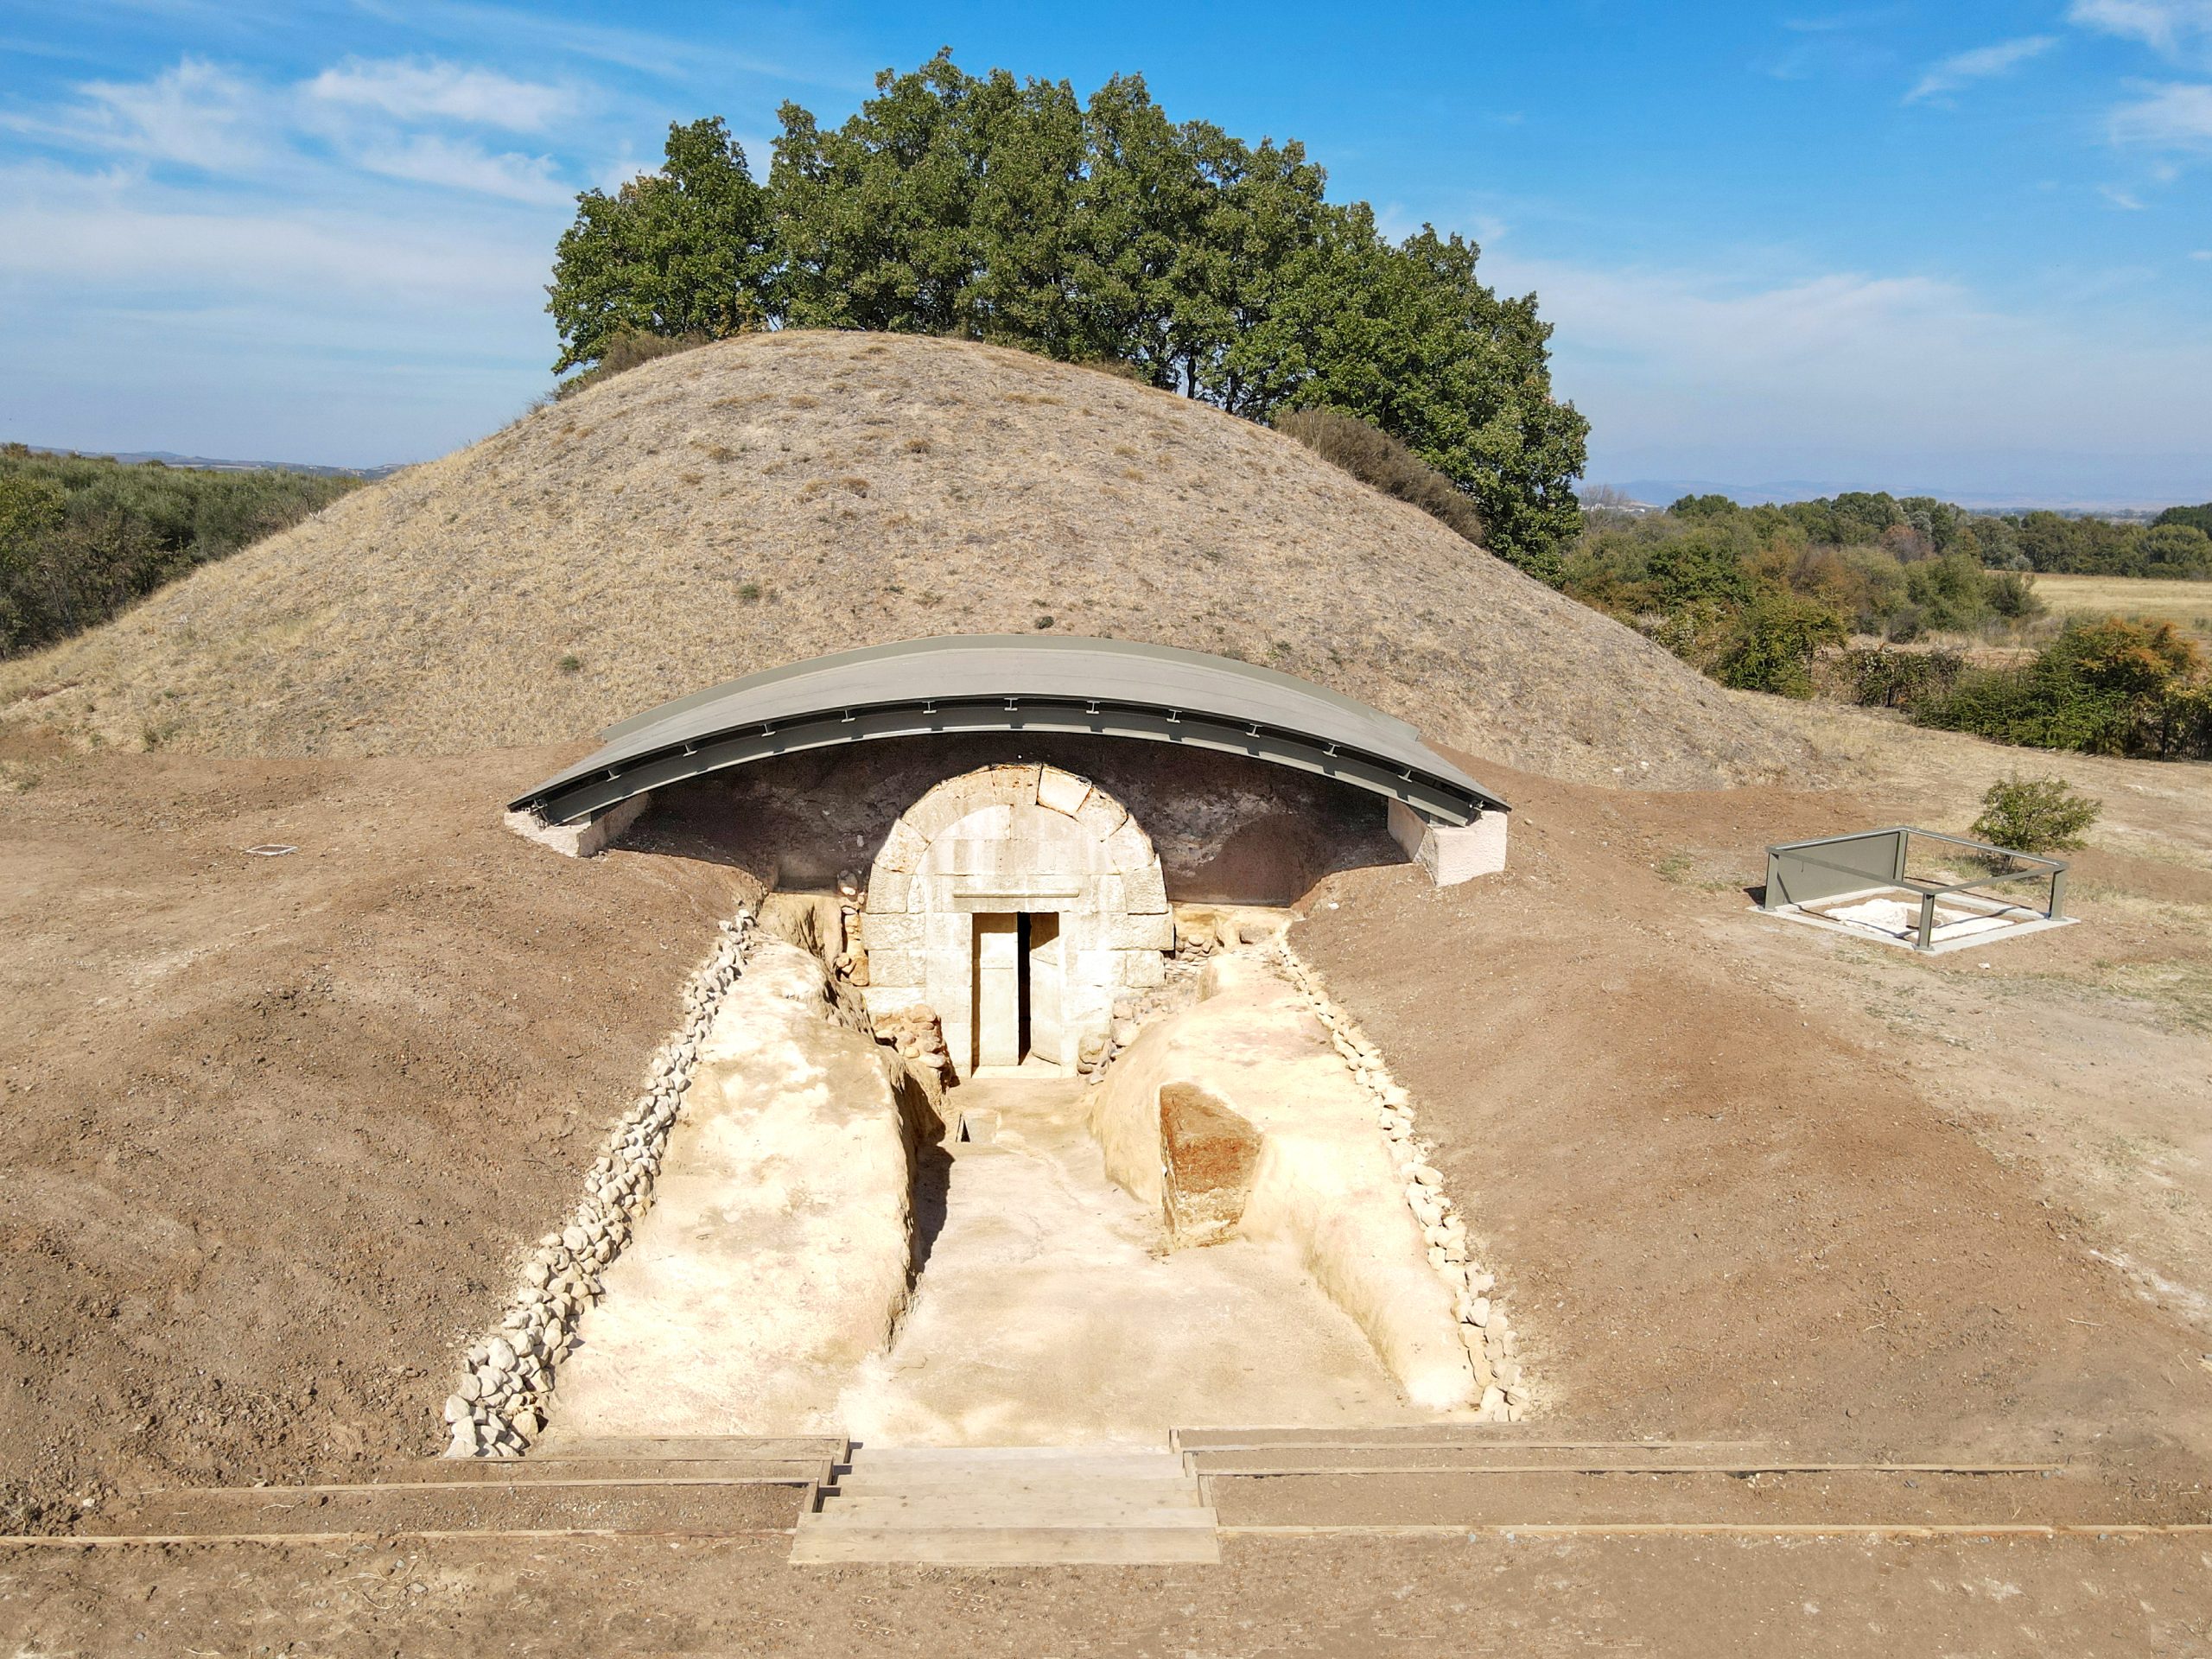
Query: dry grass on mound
(775, 498)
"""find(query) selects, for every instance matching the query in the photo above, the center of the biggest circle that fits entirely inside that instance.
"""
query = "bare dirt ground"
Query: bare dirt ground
(1685, 1599)
(274, 1126)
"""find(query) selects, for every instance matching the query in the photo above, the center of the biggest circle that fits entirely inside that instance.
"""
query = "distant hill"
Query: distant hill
(202, 463)
(778, 497)
(1659, 492)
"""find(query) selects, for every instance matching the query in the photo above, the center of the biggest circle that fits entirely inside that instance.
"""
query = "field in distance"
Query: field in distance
(2189, 603)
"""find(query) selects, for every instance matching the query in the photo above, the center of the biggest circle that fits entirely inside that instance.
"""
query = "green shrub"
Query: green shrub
(1374, 458)
(81, 536)
(1773, 643)
(2035, 815)
(624, 349)
(1878, 677)
(2111, 687)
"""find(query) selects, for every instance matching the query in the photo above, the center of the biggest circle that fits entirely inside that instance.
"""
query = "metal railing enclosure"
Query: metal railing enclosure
(1803, 873)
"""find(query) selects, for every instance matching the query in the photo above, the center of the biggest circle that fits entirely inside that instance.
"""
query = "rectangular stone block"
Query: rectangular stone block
(1144, 893)
(947, 933)
(1061, 791)
(1141, 968)
(888, 890)
(893, 931)
(1152, 932)
(895, 967)
(1451, 853)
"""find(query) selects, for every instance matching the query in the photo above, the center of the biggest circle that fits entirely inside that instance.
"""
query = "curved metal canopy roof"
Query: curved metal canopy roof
(1016, 682)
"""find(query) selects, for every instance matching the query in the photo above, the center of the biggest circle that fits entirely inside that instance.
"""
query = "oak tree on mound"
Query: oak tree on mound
(1096, 231)
(689, 250)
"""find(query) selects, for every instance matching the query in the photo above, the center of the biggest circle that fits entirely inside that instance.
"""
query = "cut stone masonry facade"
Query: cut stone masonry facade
(981, 848)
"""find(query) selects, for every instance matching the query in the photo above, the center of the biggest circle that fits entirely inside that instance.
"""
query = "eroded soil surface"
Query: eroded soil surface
(274, 1128)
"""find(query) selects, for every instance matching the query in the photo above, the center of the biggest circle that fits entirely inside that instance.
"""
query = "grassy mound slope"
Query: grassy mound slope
(775, 498)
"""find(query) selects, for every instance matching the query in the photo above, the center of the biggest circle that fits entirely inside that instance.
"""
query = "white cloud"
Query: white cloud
(2122, 198)
(1684, 371)
(2174, 116)
(416, 91)
(116, 234)
(2173, 28)
(459, 165)
(195, 115)
(1982, 63)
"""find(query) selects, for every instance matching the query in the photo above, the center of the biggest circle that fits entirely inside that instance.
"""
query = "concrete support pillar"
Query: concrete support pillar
(1451, 853)
(586, 836)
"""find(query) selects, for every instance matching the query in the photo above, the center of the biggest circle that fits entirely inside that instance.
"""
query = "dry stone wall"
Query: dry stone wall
(1491, 1344)
(498, 1405)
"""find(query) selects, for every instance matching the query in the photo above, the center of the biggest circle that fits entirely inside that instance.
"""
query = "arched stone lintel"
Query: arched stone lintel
(1021, 837)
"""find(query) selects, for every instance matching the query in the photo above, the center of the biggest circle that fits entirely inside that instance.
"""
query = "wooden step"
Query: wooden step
(1008, 1546)
(1162, 1489)
(1010, 1505)
(1519, 1435)
(998, 1510)
(557, 1446)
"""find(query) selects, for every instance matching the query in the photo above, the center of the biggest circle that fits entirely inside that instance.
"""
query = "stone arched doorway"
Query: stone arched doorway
(1017, 901)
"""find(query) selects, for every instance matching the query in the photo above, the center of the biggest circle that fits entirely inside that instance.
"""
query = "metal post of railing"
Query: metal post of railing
(1771, 894)
(1927, 922)
(2057, 893)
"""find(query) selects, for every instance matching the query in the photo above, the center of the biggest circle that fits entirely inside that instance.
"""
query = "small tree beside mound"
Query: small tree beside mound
(2035, 815)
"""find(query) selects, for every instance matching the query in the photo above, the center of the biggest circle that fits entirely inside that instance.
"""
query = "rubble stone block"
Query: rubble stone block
(1208, 1152)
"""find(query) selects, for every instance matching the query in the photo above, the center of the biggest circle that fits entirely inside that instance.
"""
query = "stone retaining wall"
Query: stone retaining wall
(1483, 1325)
(500, 1404)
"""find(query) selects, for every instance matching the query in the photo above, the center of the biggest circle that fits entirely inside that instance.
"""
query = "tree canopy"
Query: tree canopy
(1091, 230)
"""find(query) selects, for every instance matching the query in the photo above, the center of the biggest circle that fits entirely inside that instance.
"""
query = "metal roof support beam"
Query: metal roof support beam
(1436, 798)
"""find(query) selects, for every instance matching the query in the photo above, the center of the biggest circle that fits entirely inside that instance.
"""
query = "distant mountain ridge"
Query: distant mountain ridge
(1661, 491)
(204, 463)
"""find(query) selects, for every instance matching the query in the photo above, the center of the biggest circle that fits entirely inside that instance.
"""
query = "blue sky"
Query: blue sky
(1965, 247)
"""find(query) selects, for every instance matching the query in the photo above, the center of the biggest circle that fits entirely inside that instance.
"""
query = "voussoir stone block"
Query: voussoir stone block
(1008, 785)
(1061, 791)
(1129, 848)
(1100, 814)
(902, 849)
(944, 806)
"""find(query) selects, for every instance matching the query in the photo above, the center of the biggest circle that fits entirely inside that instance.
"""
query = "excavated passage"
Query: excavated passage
(817, 1259)
(1050, 1311)
(777, 1253)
